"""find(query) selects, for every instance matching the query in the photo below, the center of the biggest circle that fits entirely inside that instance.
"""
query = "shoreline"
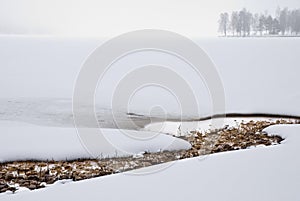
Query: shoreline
(39, 174)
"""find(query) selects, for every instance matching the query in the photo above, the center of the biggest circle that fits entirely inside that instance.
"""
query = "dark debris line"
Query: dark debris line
(38, 174)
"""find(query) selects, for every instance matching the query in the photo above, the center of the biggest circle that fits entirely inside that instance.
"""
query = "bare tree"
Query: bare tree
(269, 24)
(224, 23)
(248, 22)
(283, 20)
(295, 21)
(275, 27)
(245, 22)
(255, 23)
(262, 24)
(234, 22)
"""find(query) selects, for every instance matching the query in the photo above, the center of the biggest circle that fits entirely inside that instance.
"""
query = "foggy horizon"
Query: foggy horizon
(103, 19)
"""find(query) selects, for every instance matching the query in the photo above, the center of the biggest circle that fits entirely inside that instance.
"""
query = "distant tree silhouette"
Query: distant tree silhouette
(262, 24)
(234, 22)
(224, 23)
(283, 20)
(243, 23)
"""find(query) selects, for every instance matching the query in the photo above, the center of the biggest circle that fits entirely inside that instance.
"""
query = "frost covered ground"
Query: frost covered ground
(259, 76)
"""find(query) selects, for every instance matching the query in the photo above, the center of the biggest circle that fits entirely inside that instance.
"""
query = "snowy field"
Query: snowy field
(260, 75)
(29, 142)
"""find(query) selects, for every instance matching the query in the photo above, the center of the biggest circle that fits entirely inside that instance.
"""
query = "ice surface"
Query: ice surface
(251, 70)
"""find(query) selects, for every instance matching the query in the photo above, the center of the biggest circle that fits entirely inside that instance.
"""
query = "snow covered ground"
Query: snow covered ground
(263, 173)
(183, 128)
(21, 141)
(260, 75)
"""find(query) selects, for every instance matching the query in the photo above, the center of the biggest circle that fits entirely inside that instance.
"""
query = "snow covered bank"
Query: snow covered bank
(183, 128)
(20, 141)
(261, 174)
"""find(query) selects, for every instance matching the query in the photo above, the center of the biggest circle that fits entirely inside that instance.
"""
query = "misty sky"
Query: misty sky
(112, 17)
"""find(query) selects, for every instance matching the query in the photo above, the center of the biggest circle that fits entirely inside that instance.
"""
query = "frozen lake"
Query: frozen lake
(38, 76)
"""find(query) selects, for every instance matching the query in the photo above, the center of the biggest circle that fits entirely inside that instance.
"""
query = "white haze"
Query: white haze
(193, 18)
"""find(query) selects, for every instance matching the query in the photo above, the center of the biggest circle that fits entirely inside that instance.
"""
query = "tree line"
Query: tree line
(243, 23)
